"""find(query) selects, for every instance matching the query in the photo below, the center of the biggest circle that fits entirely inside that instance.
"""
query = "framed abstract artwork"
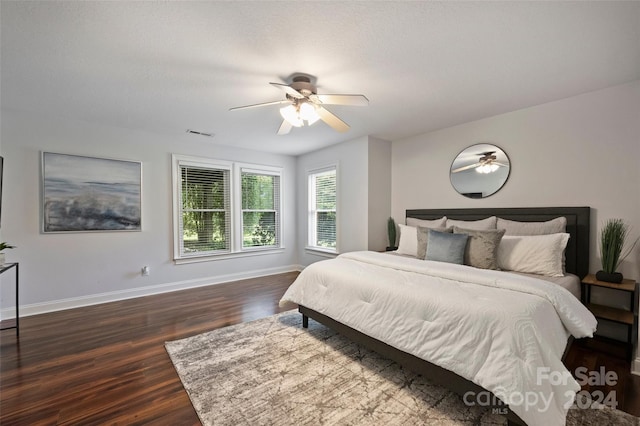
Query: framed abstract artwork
(88, 194)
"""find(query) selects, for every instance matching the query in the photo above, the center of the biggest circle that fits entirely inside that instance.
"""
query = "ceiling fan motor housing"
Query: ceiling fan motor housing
(303, 85)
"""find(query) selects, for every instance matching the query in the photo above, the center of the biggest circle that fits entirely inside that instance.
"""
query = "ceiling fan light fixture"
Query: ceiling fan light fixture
(290, 113)
(487, 168)
(308, 113)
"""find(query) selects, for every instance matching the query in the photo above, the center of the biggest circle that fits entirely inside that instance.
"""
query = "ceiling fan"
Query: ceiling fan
(304, 104)
(486, 164)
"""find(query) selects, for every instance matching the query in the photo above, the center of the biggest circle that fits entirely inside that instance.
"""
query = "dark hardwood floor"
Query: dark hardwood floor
(106, 364)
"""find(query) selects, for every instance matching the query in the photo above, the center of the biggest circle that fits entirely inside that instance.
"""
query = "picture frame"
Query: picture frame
(90, 194)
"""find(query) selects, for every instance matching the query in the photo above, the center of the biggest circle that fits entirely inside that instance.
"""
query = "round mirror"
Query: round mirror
(480, 170)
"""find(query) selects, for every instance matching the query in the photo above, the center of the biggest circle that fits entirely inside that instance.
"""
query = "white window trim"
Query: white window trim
(323, 251)
(235, 199)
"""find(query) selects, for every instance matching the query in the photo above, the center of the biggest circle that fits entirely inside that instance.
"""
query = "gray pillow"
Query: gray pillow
(445, 247)
(481, 224)
(514, 227)
(423, 239)
(435, 223)
(482, 247)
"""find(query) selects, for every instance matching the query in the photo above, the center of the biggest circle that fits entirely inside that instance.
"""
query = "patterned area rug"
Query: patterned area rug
(274, 372)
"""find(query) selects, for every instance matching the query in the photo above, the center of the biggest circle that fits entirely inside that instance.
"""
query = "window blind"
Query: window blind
(260, 209)
(205, 219)
(323, 206)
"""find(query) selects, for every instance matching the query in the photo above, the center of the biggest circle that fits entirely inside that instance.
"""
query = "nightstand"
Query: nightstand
(626, 317)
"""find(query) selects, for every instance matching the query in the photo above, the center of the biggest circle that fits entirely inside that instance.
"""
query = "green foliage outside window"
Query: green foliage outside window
(259, 200)
(205, 209)
(325, 188)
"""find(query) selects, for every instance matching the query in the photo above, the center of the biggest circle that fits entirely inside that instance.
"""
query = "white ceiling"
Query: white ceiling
(170, 66)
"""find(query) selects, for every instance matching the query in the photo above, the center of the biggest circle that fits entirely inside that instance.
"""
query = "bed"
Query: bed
(434, 317)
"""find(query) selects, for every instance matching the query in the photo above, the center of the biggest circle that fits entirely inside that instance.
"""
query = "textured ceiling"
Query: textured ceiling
(170, 66)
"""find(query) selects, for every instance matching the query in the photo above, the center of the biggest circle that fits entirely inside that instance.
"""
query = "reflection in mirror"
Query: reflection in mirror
(480, 170)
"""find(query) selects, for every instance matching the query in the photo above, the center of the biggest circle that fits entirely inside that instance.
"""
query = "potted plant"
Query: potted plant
(612, 250)
(3, 246)
(391, 233)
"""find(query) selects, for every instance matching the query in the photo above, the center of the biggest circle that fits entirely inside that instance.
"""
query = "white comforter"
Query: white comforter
(501, 331)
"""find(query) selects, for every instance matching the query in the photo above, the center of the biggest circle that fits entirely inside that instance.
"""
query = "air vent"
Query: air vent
(195, 132)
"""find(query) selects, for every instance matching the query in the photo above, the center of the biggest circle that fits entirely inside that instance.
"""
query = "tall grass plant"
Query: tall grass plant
(612, 244)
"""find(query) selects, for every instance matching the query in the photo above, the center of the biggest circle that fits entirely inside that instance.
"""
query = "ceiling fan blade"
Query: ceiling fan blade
(352, 100)
(332, 120)
(463, 168)
(260, 105)
(285, 127)
(289, 90)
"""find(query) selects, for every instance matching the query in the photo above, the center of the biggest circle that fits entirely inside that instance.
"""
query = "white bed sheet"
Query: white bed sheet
(492, 328)
(569, 282)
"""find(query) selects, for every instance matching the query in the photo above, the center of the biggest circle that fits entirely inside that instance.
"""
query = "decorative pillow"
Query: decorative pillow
(408, 242)
(482, 247)
(479, 225)
(423, 234)
(553, 226)
(436, 223)
(445, 247)
(535, 254)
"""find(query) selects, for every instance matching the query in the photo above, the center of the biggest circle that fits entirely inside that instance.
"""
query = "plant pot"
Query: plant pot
(610, 277)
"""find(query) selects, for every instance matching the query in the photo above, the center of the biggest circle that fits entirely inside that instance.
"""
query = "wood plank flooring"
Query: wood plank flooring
(106, 364)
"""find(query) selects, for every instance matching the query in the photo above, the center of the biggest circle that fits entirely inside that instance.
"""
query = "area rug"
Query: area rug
(274, 372)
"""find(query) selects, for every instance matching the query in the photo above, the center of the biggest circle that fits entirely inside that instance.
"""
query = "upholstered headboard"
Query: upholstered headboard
(578, 224)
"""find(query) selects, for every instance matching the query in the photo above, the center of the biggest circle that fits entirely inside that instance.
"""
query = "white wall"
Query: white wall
(65, 270)
(580, 151)
(364, 194)
(61, 271)
(351, 160)
(379, 173)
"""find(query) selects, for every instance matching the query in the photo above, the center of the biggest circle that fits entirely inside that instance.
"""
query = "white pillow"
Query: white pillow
(477, 225)
(435, 223)
(408, 243)
(534, 254)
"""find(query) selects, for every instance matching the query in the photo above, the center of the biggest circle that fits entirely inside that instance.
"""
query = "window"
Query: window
(224, 208)
(322, 209)
(205, 221)
(260, 201)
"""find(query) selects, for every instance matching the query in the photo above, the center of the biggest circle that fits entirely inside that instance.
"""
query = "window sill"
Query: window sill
(236, 255)
(321, 252)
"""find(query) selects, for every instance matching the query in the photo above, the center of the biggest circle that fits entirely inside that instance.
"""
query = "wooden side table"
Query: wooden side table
(3, 269)
(627, 317)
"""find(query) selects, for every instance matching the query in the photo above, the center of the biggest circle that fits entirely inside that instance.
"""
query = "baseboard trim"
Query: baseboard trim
(114, 296)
